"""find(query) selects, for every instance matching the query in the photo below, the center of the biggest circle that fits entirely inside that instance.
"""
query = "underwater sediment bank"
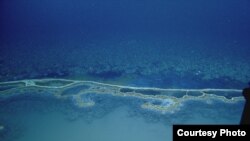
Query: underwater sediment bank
(156, 99)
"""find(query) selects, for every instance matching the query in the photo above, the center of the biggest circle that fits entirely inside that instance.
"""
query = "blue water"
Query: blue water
(190, 44)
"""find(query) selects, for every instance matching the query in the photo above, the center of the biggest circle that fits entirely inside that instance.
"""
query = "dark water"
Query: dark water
(161, 43)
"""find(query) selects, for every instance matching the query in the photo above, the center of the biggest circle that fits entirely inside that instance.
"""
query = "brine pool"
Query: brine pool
(60, 109)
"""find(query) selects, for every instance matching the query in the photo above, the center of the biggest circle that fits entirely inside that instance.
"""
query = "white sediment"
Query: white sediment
(165, 95)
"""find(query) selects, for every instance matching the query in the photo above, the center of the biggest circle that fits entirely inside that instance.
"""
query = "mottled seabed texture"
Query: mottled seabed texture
(113, 70)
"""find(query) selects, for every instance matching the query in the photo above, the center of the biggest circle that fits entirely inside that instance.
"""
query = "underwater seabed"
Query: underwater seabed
(60, 109)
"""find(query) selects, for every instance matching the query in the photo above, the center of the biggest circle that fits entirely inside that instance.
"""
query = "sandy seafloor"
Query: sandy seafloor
(163, 44)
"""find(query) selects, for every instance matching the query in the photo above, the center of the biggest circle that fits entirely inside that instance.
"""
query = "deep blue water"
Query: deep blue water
(220, 21)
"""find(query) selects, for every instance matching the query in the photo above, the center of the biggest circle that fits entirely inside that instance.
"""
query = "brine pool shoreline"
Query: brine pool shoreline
(85, 109)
